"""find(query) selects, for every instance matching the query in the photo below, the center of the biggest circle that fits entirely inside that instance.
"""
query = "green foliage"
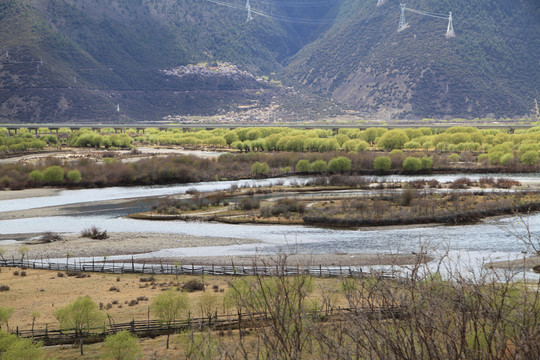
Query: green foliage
(5, 314)
(122, 346)
(260, 169)
(412, 164)
(393, 139)
(382, 163)
(302, 166)
(81, 315)
(339, 164)
(319, 166)
(36, 176)
(454, 158)
(21, 349)
(74, 176)
(53, 174)
(169, 306)
(530, 157)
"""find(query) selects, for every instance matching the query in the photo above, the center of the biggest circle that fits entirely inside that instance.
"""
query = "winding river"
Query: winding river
(493, 239)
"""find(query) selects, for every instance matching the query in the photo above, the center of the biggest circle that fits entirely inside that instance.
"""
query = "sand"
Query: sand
(118, 244)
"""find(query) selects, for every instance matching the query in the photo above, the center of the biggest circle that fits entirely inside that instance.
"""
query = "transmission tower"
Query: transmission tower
(248, 8)
(380, 2)
(402, 23)
(450, 31)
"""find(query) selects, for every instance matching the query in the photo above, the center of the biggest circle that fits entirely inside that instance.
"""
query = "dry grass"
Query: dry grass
(44, 291)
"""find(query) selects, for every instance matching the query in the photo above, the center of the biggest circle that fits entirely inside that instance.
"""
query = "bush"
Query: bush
(53, 174)
(74, 176)
(36, 176)
(49, 237)
(530, 157)
(382, 163)
(507, 159)
(412, 164)
(193, 285)
(95, 233)
(302, 166)
(319, 166)
(339, 164)
(454, 158)
(249, 204)
(260, 169)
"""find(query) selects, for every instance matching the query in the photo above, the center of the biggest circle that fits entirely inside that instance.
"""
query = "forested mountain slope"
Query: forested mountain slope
(114, 60)
(491, 67)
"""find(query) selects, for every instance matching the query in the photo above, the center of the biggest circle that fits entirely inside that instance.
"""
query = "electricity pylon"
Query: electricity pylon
(450, 31)
(248, 8)
(402, 23)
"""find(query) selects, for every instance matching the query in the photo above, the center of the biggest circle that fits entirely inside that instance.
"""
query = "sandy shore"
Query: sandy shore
(28, 193)
(526, 263)
(141, 243)
(117, 244)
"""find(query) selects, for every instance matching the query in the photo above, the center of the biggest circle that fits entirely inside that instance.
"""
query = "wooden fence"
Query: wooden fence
(152, 328)
(158, 267)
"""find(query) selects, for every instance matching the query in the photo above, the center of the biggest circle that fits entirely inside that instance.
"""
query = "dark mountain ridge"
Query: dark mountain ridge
(77, 60)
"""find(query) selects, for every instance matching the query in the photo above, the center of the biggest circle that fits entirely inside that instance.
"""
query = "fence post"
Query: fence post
(192, 269)
(93, 264)
(320, 270)
(46, 330)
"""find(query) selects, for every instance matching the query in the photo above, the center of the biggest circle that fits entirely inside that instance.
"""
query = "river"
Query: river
(493, 239)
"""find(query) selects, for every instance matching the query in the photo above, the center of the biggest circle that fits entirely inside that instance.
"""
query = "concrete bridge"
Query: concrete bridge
(140, 127)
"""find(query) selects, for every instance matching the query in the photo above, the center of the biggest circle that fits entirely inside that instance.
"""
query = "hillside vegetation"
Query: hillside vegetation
(76, 60)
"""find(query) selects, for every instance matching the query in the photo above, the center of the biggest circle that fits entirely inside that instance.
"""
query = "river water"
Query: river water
(486, 241)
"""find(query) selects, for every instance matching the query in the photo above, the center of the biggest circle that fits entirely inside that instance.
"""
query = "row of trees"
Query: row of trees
(497, 143)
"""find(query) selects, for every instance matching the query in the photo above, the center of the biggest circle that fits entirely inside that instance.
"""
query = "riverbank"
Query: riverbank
(125, 243)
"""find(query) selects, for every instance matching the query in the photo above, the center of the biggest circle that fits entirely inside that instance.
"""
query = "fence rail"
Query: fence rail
(146, 328)
(158, 267)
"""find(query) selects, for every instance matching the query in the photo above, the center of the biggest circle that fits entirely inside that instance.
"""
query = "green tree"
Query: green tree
(393, 139)
(169, 306)
(20, 349)
(507, 159)
(530, 157)
(53, 174)
(454, 158)
(36, 176)
(339, 164)
(81, 315)
(260, 169)
(122, 346)
(302, 166)
(319, 166)
(427, 162)
(74, 176)
(412, 164)
(382, 163)
(5, 314)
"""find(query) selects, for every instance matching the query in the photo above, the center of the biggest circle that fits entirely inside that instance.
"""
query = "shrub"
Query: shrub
(382, 163)
(74, 176)
(393, 139)
(53, 174)
(339, 164)
(249, 204)
(530, 157)
(318, 166)
(193, 285)
(4, 288)
(36, 176)
(412, 164)
(122, 346)
(260, 169)
(454, 158)
(302, 166)
(507, 159)
(95, 233)
(427, 162)
(49, 237)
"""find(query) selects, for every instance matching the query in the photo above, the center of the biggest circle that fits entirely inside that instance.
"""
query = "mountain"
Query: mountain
(135, 60)
(491, 68)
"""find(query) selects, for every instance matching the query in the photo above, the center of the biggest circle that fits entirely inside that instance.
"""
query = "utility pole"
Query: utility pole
(402, 23)
(450, 31)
